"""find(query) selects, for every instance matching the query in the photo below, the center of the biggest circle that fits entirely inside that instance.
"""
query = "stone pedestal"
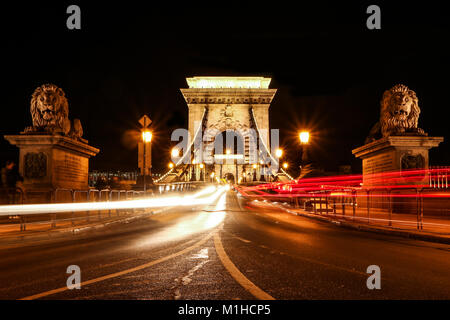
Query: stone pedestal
(394, 153)
(48, 162)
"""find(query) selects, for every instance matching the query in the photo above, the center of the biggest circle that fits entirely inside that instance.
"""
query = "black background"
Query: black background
(131, 58)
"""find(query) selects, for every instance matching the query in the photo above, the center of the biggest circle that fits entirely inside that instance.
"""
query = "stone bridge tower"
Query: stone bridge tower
(238, 104)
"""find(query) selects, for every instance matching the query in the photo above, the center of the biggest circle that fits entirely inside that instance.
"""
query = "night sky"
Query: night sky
(130, 59)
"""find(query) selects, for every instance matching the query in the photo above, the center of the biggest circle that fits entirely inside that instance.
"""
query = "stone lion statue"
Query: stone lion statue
(50, 113)
(399, 114)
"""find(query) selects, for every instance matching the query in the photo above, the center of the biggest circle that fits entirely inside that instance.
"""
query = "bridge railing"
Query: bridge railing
(71, 219)
(422, 202)
(406, 207)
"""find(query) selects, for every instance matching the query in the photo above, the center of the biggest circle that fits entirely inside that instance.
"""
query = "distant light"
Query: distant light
(228, 151)
(171, 165)
(279, 153)
(261, 162)
(212, 175)
(201, 165)
(175, 153)
(254, 166)
(285, 165)
(304, 136)
(146, 136)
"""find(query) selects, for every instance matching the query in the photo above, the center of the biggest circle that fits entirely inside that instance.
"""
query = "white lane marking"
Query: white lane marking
(127, 271)
(187, 278)
(242, 239)
(203, 254)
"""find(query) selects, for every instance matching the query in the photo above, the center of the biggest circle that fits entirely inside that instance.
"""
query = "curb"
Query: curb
(373, 229)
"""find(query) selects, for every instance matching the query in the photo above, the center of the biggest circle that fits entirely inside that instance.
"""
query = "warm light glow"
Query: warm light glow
(175, 153)
(229, 156)
(285, 165)
(171, 165)
(146, 136)
(193, 161)
(212, 175)
(279, 153)
(261, 162)
(228, 151)
(195, 199)
(254, 166)
(229, 82)
(201, 165)
(304, 136)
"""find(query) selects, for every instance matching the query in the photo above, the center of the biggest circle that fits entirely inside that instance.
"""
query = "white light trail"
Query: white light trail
(190, 200)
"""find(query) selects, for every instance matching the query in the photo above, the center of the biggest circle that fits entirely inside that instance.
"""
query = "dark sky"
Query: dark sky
(130, 59)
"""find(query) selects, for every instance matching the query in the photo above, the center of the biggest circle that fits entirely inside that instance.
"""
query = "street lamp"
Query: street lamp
(279, 153)
(304, 139)
(175, 153)
(146, 138)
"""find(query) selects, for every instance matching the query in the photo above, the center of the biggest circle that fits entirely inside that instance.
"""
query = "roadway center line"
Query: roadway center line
(236, 274)
(120, 273)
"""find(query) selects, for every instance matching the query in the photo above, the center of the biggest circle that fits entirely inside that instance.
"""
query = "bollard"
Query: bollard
(390, 207)
(354, 204)
(343, 204)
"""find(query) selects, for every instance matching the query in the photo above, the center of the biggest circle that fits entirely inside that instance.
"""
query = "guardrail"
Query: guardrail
(62, 195)
(405, 206)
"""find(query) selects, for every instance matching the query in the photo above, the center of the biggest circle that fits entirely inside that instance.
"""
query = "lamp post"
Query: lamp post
(201, 171)
(304, 140)
(146, 138)
(278, 154)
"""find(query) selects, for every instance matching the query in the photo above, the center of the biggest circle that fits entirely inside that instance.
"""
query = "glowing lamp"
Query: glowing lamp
(279, 153)
(304, 136)
(146, 136)
(175, 153)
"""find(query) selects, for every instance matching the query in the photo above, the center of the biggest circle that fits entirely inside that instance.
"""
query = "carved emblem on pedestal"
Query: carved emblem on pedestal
(409, 161)
(35, 165)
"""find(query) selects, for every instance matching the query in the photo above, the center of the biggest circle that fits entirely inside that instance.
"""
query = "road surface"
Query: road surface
(230, 249)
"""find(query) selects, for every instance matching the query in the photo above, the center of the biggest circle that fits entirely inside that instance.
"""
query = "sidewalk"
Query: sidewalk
(434, 229)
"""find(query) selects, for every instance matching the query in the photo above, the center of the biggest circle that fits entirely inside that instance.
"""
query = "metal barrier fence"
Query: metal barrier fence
(61, 195)
(377, 205)
(438, 177)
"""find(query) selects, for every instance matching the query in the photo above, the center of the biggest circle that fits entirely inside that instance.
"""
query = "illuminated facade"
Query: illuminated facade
(221, 104)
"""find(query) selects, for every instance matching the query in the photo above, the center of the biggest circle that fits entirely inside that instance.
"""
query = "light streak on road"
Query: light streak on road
(190, 200)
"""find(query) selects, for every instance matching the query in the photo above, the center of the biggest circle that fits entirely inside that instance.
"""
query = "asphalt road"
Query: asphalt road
(227, 250)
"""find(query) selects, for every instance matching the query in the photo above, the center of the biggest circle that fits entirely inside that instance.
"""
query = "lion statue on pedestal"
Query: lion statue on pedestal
(399, 114)
(50, 113)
